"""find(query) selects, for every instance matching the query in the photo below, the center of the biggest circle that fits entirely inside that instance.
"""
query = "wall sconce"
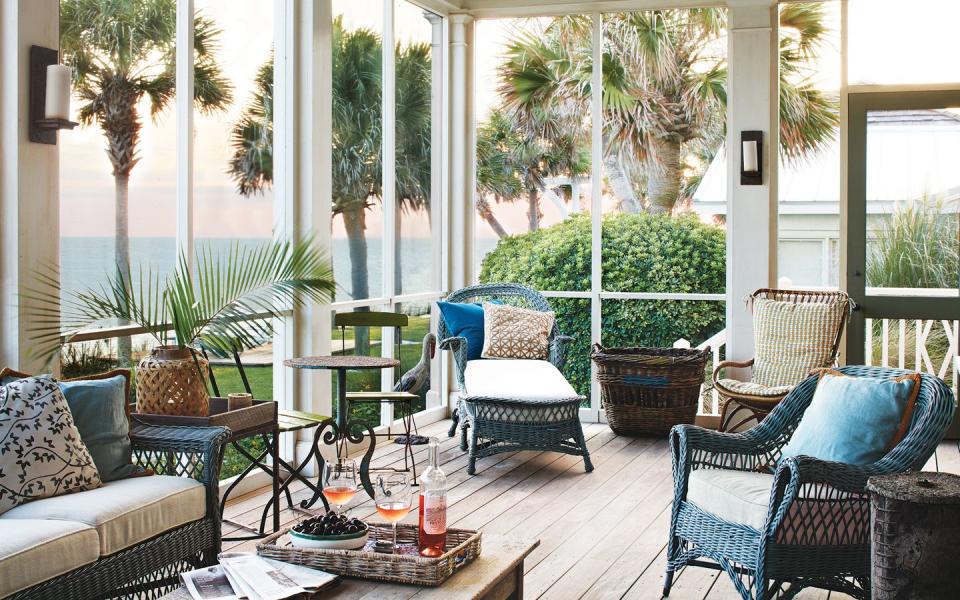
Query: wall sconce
(49, 95)
(751, 158)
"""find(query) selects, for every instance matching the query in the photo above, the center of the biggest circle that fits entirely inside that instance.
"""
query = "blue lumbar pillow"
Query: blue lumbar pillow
(855, 420)
(98, 407)
(465, 320)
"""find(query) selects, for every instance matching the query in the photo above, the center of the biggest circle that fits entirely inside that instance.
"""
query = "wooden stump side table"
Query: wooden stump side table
(915, 525)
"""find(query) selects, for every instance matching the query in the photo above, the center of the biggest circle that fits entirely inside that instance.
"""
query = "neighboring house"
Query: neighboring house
(909, 154)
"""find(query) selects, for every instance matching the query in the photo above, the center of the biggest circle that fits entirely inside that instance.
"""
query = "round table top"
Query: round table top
(341, 362)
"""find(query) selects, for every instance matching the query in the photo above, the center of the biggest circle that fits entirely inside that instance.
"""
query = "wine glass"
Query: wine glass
(339, 481)
(394, 498)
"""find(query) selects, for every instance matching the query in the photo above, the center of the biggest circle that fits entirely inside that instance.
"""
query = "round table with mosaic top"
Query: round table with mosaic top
(341, 430)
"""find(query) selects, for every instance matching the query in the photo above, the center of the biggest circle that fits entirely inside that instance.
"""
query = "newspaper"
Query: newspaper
(243, 576)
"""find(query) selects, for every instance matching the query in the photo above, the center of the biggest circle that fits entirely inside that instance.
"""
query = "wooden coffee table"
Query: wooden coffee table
(497, 574)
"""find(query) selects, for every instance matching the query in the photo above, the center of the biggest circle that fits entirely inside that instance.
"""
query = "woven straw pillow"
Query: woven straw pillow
(41, 454)
(511, 332)
(791, 339)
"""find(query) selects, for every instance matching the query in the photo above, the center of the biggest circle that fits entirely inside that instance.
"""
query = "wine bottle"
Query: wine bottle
(433, 505)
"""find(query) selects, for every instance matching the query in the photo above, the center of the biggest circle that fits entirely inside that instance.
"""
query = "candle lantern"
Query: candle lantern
(49, 95)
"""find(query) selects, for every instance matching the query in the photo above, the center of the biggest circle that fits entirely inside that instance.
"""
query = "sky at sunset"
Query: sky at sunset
(887, 45)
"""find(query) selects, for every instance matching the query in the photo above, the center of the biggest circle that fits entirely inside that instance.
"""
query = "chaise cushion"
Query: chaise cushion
(124, 512)
(736, 496)
(33, 551)
(516, 379)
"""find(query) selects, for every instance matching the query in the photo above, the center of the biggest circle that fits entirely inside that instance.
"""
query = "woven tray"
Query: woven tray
(463, 545)
(257, 416)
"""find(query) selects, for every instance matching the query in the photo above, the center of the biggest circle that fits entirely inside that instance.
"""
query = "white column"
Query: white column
(29, 177)
(184, 108)
(751, 210)
(391, 216)
(461, 151)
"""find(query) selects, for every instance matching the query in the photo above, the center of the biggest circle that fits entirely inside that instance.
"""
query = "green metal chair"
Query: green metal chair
(403, 402)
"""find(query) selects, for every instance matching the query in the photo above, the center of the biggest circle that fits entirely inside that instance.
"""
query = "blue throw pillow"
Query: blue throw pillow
(465, 320)
(98, 407)
(855, 420)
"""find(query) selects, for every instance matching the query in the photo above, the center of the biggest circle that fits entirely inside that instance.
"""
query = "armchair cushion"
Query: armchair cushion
(792, 338)
(124, 512)
(32, 551)
(750, 388)
(855, 420)
(736, 496)
(516, 379)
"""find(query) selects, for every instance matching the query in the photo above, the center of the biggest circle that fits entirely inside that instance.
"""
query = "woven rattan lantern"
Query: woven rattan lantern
(173, 381)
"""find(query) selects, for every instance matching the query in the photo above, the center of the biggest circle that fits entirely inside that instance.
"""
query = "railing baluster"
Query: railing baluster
(902, 344)
(885, 342)
(868, 343)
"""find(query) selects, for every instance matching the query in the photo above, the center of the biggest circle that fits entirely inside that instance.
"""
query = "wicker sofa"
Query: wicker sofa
(129, 538)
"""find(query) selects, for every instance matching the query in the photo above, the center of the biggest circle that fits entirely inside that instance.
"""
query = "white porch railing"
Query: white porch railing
(925, 346)
(709, 399)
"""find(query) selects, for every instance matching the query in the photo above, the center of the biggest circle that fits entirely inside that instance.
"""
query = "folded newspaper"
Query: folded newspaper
(243, 576)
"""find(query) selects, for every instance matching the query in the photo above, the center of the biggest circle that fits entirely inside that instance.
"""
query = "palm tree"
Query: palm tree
(664, 91)
(357, 138)
(121, 52)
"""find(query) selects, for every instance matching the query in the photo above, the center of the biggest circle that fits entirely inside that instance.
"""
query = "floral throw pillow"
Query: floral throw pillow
(41, 454)
(512, 332)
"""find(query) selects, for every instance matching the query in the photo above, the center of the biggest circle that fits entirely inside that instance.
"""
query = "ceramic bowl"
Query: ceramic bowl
(347, 541)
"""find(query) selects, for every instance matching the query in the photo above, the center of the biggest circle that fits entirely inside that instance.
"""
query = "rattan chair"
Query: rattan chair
(816, 529)
(794, 332)
(505, 423)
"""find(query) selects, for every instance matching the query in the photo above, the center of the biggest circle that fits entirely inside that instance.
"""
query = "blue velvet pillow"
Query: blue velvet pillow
(465, 320)
(98, 407)
(855, 420)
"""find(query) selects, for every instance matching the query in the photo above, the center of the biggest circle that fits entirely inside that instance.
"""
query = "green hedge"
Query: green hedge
(641, 253)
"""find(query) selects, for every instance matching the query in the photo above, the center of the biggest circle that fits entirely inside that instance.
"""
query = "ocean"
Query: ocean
(88, 261)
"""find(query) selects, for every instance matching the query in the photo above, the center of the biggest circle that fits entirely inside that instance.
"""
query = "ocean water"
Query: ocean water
(88, 261)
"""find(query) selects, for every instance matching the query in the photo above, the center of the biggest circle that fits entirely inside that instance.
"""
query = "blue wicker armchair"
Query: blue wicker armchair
(808, 524)
(505, 422)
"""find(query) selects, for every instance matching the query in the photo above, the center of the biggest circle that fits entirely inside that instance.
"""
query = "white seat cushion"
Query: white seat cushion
(736, 496)
(124, 512)
(531, 380)
(33, 551)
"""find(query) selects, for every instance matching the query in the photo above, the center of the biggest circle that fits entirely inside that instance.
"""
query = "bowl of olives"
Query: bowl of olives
(331, 531)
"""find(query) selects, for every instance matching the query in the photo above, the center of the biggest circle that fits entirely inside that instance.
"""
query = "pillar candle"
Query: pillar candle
(57, 105)
(750, 156)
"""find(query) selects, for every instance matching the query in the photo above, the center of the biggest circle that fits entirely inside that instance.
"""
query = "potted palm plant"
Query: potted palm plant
(225, 303)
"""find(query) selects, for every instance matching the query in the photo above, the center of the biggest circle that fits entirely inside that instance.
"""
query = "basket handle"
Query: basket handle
(597, 349)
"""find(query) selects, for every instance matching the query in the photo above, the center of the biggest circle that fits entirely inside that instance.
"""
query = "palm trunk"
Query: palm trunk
(354, 221)
(121, 251)
(486, 213)
(533, 212)
(620, 183)
(663, 181)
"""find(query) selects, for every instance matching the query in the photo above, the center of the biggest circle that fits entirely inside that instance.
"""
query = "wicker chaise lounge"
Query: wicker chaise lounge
(508, 405)
(808, 523)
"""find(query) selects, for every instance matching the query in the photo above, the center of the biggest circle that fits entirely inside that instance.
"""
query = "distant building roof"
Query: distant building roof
(911, 153)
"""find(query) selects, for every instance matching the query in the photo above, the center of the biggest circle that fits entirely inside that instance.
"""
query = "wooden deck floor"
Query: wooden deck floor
(601, 535)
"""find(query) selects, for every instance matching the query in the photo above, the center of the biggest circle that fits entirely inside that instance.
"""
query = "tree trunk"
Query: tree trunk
(486, 213)
(354, 221)
(121, 252)
(533, 212)
(663, 180)
(622, 188)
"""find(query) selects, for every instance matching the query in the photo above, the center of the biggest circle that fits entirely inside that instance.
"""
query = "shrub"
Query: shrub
(641, 253)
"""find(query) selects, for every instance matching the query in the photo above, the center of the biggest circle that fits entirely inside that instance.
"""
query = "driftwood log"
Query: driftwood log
(915, 522)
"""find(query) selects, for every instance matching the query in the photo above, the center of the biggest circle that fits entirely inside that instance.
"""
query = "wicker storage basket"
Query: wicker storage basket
(173, 381)
(646, 391)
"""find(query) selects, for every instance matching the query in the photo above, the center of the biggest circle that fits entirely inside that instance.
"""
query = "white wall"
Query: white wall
(29, 186)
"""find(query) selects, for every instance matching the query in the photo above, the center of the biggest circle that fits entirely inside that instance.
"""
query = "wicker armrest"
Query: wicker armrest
(195, 452)
(729, 364)
(458, 345)
(558, 350)
(694, 447)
